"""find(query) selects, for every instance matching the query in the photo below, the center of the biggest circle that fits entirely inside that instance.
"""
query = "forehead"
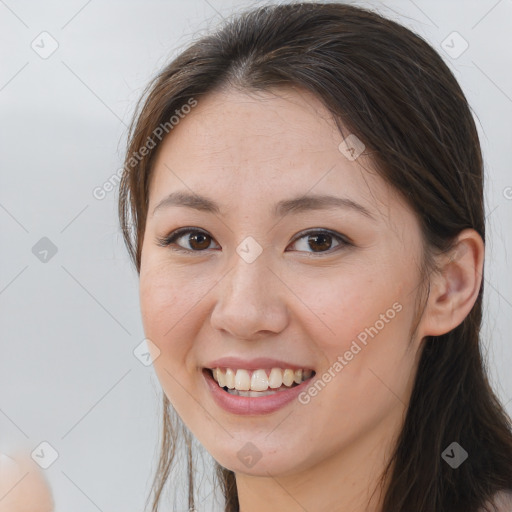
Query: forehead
(233, 124)
(264, 145)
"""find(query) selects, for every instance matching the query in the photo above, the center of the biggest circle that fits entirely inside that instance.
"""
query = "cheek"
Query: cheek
(368, 376)
(166, 307)
(367, 318)
(348, 303)
(171, 310)
(172, 300)
(167, 296)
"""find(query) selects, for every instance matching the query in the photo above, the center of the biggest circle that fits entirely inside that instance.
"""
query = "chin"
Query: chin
(249, 460)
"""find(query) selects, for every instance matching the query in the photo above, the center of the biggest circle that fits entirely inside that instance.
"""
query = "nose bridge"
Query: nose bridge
(248, 301)
(250, 274)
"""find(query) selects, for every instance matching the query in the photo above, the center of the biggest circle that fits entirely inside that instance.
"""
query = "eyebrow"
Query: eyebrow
(298, 204)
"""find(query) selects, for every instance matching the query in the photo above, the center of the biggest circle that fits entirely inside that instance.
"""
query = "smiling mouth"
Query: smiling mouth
(258, 383)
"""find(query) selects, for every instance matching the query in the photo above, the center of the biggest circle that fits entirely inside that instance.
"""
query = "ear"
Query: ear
(455, 286)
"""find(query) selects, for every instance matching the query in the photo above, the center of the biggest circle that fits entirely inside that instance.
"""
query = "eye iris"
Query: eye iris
(322, 237)
(202, 237)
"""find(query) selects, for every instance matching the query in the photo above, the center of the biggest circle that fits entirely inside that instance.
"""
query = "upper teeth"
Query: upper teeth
(242, 380)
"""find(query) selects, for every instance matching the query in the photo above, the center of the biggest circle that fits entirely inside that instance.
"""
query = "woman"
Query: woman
(302, 198)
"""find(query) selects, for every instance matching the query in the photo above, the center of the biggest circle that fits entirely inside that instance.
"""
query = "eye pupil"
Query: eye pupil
(200, 236)
(321, 237)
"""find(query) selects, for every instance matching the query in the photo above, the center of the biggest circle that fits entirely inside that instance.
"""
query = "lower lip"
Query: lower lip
(248, 405)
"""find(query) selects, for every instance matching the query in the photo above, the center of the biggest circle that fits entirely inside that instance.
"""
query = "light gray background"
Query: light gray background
(69, 326)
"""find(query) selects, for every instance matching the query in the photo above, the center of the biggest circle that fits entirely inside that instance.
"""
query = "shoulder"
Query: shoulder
(502, 502)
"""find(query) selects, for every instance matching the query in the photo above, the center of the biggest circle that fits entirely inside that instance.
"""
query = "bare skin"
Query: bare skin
(23, 487)
(247, 152)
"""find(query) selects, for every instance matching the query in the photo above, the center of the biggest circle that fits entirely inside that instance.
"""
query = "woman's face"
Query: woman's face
(254, 279)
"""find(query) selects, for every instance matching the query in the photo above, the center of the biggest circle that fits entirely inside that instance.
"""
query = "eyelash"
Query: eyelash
(178, 233)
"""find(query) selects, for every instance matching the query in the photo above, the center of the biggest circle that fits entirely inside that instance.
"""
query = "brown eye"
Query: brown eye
(199, 241)
(319, 241)
(196, 240)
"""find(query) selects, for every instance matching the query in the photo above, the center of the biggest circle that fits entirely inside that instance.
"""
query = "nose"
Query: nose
(250, 301)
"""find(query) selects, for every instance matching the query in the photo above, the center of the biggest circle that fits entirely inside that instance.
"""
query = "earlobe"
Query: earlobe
(455, 286)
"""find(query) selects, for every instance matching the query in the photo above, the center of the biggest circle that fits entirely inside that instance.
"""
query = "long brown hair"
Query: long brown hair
(392, 89)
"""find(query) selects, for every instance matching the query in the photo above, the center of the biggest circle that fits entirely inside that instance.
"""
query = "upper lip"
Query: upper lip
(254, 364)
